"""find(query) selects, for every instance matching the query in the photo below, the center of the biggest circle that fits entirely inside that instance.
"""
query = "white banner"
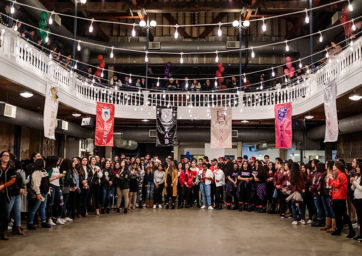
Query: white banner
(50, 112)
(221, 125)
(330, 109)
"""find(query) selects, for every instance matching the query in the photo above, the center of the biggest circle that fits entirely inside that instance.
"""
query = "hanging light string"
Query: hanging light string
(187, 53)
(184, 25)
(210, 78)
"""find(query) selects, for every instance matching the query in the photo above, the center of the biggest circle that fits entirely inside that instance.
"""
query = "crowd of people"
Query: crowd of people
(57, 191)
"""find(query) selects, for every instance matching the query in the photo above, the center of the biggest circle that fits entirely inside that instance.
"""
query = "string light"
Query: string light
(350, 7)
(263, 27)
(130, 78)
(176, 32)
(306, 17)
(12, 8)
(235, 23)
(246, 23)
(50, 21)
(244, 78)
(353, 26)
(158, 82)
(47, 38)
(91, 26)
(79, 47)
(142, 23)
(217, 57)
(252, 53)
(215, 82)
(76, 65)
(111, 55)
(102, 75)
(153, 23)
(134, 30)
(16, 26)
(219, 31)
(327, 54)
(300, 63)
(320, 37)
(286, 46)
(181, 58)
(273, 73)
(146, 57)
(83, 1)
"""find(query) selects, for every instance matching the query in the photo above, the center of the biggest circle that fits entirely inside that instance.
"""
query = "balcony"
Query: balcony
(31, 68)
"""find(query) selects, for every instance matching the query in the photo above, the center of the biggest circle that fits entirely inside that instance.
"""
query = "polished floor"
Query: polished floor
(180, 232)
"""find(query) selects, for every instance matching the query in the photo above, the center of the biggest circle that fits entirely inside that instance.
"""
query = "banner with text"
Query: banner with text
(221, 125)
(330, 110)
(283, 125)
(50, 112)
(166, 125)
(104, 125)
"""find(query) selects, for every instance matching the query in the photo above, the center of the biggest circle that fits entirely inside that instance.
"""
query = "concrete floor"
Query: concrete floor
(180, 232)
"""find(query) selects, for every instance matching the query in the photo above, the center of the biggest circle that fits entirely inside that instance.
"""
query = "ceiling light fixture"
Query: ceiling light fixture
(26, 94)
(309, 117)
(142, 24)
(76, 114)
(355, 97)
(235, 23)
(244, 121)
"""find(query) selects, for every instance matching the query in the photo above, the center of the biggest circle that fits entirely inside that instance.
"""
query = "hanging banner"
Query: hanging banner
(104, 125)
(330, 110)
(50, 112)
(221, 126)
(166, 124)
(283, 125)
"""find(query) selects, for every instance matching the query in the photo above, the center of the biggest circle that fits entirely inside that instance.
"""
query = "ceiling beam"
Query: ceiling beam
(173, 21)
(209, 29)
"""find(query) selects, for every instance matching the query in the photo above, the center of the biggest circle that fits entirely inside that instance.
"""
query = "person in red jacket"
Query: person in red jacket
(181, 186)
(189, 182)
(280, 181)
(339, 184)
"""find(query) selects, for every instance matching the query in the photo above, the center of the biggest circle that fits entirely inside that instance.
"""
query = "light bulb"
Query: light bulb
(133, 30)
(146, 57)
(176, 32)
(181, 58)
(286, 46)
(76, 65)
(252, 53)
(215, 82)
(102, 75)
(217, 57)
(50, 19)
(12, 9)
(263, 27)
(354, 26)
(111, 55)
(306, 17)
(350, 7)
(153, 23)
(235, 23)
(273, 73)
(47, 39)
(219, 31)
(246, 23)
(300, 64)
(130, 78)
(142, 23)
(79, 47)
(244, 78)
(158, 82)
(91, 26)
(320, 37)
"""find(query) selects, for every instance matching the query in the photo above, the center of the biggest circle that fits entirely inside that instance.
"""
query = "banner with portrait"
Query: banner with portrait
(104, 125)
(166, 125)
(330, 110)
(221, 125)
(50, 112)
(283, 125)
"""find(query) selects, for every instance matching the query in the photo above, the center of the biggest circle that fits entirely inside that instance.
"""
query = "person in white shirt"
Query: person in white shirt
(205, 186)
(219, 182)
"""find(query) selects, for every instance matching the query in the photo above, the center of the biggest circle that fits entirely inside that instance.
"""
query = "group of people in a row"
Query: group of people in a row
(61, 190)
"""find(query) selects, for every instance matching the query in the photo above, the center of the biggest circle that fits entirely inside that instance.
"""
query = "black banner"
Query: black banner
(166, 124)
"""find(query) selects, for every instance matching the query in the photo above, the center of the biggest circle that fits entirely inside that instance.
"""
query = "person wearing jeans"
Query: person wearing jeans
(205, 186)
(325, 191)
(123, 189)
(107, 182)
(39, 186)
(159, 180)
(149, 185)
(297, 188)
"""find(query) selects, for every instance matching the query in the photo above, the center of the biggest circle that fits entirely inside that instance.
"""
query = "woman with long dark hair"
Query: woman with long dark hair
(149, 185)
(181, 187)
(319, 170)
(159, 180)
(95, 181)
(123, 191)
(74, 191)
(135, 173)
(339, 184)
(85, 178)
(232, 173)
(280, 182)
(244, 187)
(325, 193)
(357, 201)
(66, 183)
(297, 187)
(270, 200)
(106, 183)
(171, 185)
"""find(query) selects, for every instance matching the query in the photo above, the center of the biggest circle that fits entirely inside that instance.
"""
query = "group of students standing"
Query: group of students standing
(59, 190)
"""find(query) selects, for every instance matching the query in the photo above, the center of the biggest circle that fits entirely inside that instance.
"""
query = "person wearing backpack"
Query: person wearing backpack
(40, 186)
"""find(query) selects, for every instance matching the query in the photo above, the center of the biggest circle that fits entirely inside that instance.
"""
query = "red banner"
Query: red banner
(104, 124)
(283, 125)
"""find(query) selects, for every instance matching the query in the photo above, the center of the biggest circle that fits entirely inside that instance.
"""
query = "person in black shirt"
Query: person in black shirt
(244, 188)
(231, 173)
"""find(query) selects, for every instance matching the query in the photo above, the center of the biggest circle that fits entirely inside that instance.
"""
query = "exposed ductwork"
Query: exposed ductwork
(34, 120)
(347, 125)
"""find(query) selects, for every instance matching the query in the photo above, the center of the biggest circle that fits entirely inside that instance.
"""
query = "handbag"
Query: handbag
(275, 194)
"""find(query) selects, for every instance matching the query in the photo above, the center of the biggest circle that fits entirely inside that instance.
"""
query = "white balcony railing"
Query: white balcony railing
(29, 66)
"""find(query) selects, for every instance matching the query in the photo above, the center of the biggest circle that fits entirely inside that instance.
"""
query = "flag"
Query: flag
(50, 112)
(283, 125)
(221, 126)
(104, 124)
(330, 110)
(166, 124)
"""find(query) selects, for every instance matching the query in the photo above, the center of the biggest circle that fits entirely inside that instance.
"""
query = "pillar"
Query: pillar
(108, 153)
(340, 151)
(175, 153)
(283, 153)
(328, 151)
(239, 147)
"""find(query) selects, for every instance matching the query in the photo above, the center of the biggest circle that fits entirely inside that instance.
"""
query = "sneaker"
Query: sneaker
(203, 207)
(59, 221)
(282, 216)
(309, 221)
(68, 219)
(295, 222)
(51, 222)
(355, 225)
(154, 206)
(160, 206)
(302, 222)
(45, 225)
(210, 208)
